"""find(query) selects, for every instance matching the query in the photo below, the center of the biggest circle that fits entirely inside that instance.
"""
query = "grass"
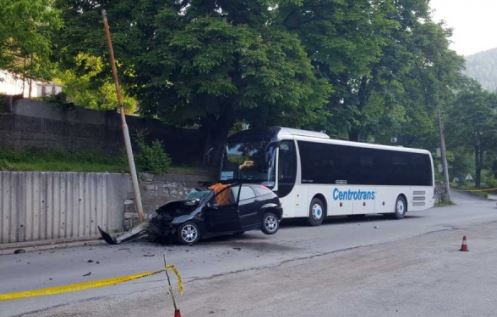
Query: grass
(38, 160)
(50, 160)
(443, 203)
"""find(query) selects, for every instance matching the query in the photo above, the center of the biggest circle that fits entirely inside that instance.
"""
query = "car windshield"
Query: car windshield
(249, 161)
(198, 193)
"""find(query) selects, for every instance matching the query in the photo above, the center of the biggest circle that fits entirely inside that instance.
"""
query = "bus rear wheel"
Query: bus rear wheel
(317, 212)
(400, 208)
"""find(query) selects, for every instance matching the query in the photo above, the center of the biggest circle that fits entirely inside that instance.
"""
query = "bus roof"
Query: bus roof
(282, 133)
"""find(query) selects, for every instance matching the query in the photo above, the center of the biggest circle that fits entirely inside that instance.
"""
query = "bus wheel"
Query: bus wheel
(400, 208)
(317, 212)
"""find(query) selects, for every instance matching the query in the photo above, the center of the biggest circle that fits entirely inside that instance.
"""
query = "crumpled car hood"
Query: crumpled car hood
(177, 208)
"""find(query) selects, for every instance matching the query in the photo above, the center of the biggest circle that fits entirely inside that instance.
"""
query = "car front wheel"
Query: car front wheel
(188, 233)
(270, 223)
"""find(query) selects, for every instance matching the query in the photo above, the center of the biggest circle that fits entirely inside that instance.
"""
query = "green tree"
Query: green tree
(345, 41)
(26, 31)
(84, 86)
(471, 123)
(207, 63)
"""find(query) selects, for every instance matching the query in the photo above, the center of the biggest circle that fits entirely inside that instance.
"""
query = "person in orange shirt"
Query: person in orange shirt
(225, 195)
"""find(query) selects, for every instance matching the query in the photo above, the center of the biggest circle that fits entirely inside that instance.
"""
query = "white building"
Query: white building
(13, 84)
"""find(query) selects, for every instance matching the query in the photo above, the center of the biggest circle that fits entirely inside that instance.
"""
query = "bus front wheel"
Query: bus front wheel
(317, 212)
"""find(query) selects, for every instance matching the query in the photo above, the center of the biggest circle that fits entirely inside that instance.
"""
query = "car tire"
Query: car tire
(270, 223)
(188, 233)
(400, 208)
(317, 212)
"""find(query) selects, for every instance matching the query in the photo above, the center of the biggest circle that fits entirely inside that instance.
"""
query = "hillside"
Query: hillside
(483, 67)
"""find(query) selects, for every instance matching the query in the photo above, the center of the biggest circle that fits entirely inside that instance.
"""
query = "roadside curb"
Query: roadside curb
(33, 246)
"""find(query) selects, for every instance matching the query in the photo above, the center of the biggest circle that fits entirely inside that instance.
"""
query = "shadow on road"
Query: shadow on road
(335, 220)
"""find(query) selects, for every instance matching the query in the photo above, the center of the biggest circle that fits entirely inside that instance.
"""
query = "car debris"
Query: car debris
(216, 210)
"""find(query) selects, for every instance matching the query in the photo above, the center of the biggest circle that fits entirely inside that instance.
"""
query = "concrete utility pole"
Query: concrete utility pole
(444, 157)
(127, 140)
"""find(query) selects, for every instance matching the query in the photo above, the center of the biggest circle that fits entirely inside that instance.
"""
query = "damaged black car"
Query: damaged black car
(217, 210)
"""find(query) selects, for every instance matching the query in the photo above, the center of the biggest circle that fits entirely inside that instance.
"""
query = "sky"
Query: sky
(474, 23)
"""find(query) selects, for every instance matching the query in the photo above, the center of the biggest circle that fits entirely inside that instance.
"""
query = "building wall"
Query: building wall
(12, 84)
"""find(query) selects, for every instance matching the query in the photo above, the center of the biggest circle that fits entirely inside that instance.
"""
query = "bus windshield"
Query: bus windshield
(249, 161)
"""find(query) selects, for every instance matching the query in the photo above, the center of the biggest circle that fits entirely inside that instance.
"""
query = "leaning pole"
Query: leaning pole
(127, 140)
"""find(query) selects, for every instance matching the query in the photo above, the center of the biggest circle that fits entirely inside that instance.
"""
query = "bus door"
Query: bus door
(286, 178)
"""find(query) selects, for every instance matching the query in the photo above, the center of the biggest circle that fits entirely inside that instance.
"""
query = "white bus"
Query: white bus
(316, 176)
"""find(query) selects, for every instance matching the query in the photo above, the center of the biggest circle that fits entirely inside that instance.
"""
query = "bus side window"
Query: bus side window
(287, 167)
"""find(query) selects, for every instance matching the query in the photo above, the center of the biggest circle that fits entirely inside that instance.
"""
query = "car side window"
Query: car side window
(246, 193)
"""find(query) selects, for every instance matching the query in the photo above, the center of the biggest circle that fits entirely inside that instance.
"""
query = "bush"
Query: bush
(151, 158)
(488, 179)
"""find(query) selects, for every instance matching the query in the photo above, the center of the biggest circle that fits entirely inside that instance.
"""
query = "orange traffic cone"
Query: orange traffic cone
(464, 245)
(177, 313)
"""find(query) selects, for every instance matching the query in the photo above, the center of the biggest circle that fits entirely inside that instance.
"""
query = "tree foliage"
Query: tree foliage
(83, 86)
(374, 70)
(471, 124)
(26, 31)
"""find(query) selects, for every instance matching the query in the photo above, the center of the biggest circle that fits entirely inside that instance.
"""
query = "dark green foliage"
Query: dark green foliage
(373, 70)
(471, 124)
(204, 63)
(151, 157)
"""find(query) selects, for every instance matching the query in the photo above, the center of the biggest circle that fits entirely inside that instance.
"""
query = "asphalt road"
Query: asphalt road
(368, 260)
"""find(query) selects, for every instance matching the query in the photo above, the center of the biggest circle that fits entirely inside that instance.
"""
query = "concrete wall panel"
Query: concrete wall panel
(36, 206)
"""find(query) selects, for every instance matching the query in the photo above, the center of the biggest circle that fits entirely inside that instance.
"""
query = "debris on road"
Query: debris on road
(18, 251)
(87, 274)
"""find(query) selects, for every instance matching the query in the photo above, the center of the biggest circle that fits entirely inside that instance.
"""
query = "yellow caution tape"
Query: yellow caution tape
(74, 287)
(80, 286)
(173, 268)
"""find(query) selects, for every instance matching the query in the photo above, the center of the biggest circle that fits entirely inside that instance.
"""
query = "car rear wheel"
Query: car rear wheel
(270, 223)
(317, 212)
(188, 233)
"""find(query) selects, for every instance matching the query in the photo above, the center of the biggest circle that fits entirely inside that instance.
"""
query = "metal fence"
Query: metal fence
(38, 206)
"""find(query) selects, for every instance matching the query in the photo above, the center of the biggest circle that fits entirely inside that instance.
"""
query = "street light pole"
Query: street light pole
(127, 140)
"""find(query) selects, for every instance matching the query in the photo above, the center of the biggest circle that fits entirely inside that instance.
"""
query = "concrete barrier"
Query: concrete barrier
(37, 206)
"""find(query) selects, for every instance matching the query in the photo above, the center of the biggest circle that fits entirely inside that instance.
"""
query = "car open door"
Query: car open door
(248, 207)
(222, 211)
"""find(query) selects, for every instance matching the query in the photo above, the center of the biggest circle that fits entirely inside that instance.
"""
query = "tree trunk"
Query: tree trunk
(478, 165)
(354, 135)
(216, 131)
